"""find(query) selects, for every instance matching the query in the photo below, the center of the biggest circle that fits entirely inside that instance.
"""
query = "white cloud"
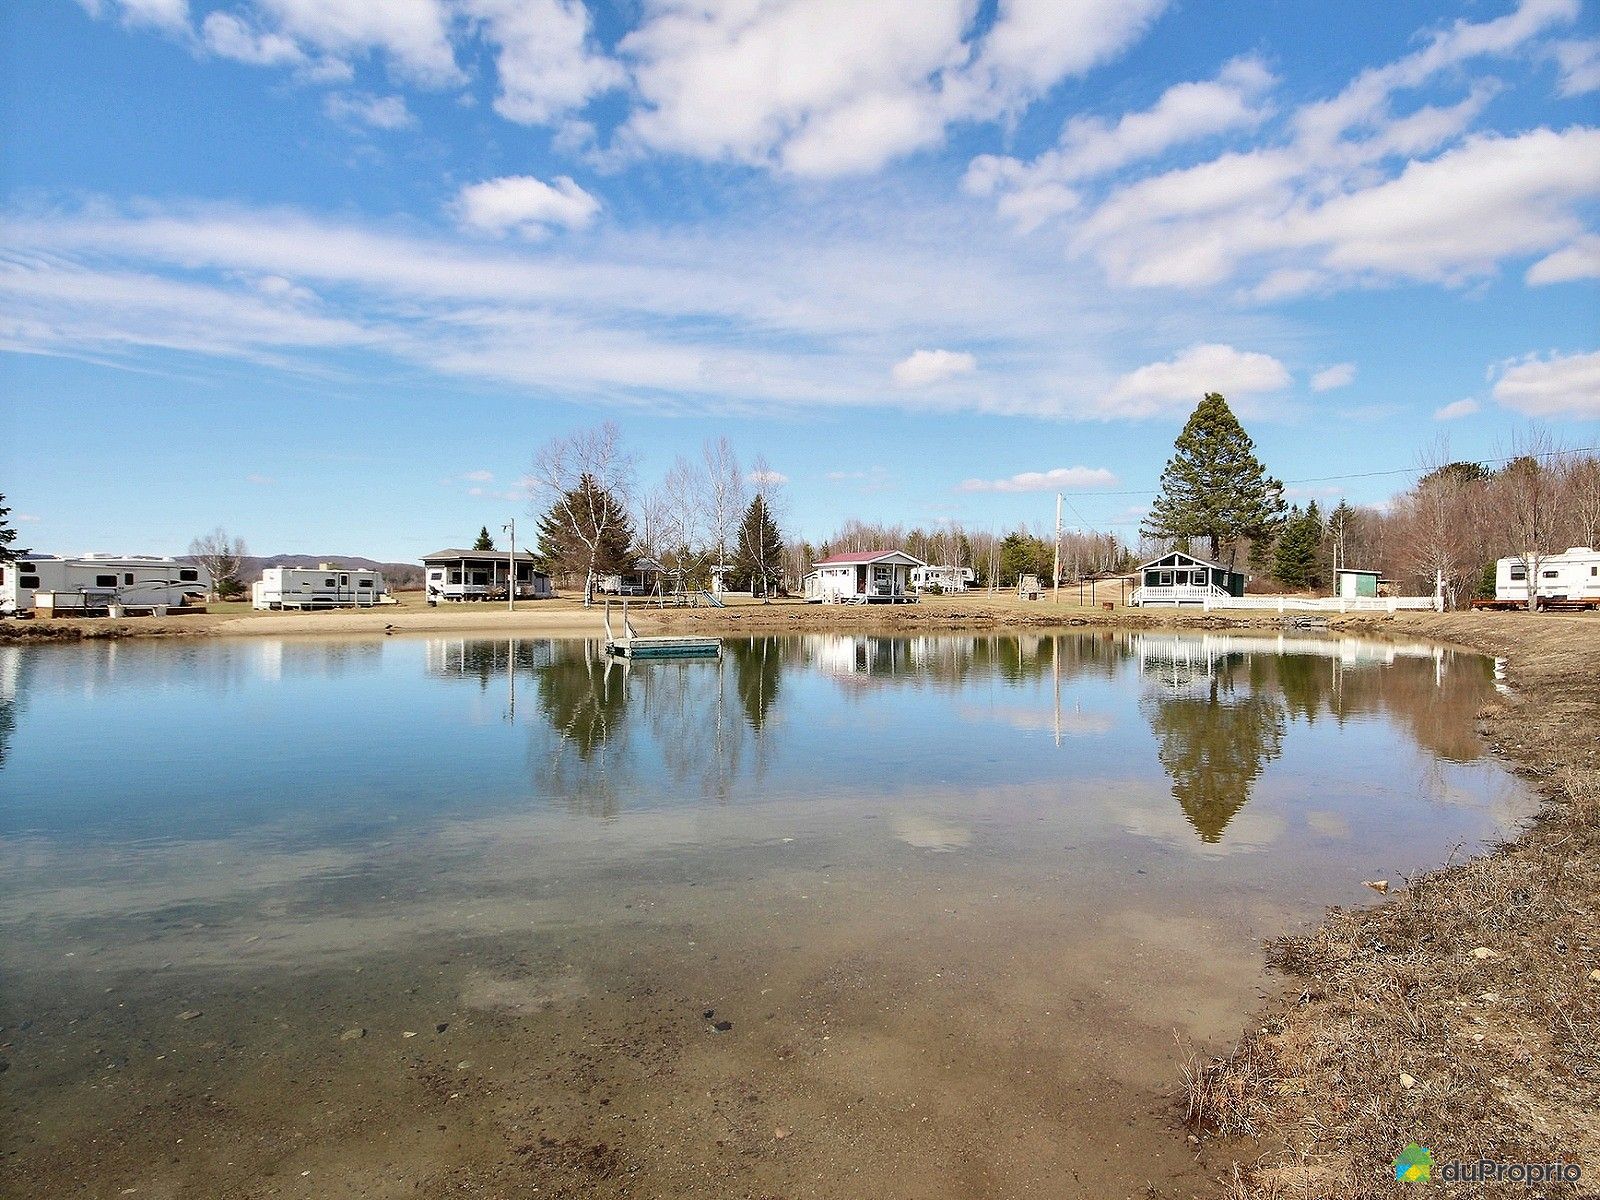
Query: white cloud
(1089, 147)
(769, 478)
(1178, 384)
(758, 313)
(1581, 260)
(28, 518)
(1562, 385)
(478, 476)
(260, 480)
(1356, 190)
(1580, 66)
(380, 112)
(1455, 410)
(525, 205)
(168, 15)
(413, 34)
(1056, 480)
(547, 63)
(228, 36)
(828, 87)
(1337, 376)
(923, 368)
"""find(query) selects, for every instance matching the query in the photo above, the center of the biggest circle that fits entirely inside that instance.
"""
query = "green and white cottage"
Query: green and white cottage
(1179, 578)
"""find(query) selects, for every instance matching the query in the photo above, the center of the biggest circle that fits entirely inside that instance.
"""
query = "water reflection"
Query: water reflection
(555, 725)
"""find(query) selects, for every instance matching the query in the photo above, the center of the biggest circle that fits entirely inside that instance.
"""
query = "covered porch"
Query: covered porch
(1179, 578)
(462, 575)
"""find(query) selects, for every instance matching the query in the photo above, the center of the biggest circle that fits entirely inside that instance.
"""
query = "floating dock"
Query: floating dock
(631, 645)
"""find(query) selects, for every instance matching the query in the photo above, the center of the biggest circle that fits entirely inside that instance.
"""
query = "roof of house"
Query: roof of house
(498, 556)
(861, 557)
(1194, 558)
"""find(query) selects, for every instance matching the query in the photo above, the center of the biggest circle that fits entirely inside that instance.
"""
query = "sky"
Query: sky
(328, 272)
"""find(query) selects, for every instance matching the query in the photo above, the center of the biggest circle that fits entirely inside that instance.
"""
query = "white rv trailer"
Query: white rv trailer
(1568, 579)
(322, 586)
(946, 579)
(96, 582)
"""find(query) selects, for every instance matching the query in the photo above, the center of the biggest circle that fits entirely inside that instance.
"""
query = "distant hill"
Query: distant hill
(400, 576)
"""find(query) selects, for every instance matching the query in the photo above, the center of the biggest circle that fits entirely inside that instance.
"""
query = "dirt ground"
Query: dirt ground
(1464, 1014)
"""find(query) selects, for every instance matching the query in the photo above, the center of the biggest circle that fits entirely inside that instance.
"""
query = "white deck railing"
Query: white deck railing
(1215, 598)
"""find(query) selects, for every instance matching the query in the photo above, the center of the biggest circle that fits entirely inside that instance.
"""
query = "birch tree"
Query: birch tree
(584, 478)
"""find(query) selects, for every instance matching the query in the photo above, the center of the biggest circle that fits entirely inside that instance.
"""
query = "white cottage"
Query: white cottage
(1179, 578)
(451, 575)
(863, 577)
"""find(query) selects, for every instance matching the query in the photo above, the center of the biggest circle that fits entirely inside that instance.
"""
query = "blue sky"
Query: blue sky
(327, 272)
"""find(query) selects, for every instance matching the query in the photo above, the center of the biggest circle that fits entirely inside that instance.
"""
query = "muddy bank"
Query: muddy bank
(1464, 1014)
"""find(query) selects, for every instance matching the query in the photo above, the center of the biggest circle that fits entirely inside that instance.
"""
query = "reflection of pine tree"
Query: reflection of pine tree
(1307, 684)
(757, 667)
(1215, 749)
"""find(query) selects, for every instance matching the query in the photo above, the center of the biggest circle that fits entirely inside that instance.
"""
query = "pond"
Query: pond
(828, 916)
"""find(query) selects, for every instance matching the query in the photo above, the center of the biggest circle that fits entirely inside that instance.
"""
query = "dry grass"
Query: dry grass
(1461, 1014)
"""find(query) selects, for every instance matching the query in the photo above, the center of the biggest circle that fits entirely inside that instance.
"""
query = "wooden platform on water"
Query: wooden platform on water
(631, 645)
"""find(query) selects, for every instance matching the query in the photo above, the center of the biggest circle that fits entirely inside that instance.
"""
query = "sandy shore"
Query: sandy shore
(568, 618)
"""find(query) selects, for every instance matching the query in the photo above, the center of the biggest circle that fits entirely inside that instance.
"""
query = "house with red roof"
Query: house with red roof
(863, 577)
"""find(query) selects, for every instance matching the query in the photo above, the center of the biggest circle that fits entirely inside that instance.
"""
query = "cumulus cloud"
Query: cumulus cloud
(259, 480)
(1058, 479)
(1177, 384)
(1560, 385)
(924, 368)
(1337, 376)
(546, 58)
(359, 108)
(1581, 260)
(768, 478)
(228, 36)
(1580, 66)
(828, 87)
(1455, 410)
(525, 205)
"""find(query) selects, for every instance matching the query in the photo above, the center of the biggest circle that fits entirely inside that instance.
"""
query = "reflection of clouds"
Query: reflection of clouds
(927, 833)
(1071, 723)
(1145, 810)
(1328, 824)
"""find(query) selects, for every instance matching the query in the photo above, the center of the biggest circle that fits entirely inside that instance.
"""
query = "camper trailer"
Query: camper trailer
(941, 579)
(324, 586)
(1567, 580)
(94, 584)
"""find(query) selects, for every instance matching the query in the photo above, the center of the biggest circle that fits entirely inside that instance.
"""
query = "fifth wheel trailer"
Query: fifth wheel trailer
(92, 582)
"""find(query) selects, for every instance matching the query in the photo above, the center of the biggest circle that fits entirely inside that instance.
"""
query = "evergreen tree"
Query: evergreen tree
(1214, 487)
(484, 542)
(1294, 562)
(587, 531)
(758, 552)
(8, 535)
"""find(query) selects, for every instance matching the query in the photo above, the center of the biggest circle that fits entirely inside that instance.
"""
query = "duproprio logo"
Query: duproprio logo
(1415, 1164)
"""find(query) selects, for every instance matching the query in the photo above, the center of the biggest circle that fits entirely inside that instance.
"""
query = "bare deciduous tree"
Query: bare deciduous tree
(578, 508)
(723, 496)
(222, 555)
(1527, 495)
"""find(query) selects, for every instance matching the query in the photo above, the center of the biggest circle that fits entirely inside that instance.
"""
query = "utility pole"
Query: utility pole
(511, 567)
(1056, 577)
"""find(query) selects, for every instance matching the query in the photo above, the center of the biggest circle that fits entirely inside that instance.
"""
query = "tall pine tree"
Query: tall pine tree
(1214, 488)
(587, 532)
(1294, 561)
(8, 535)
(484, 542)
(758, 551)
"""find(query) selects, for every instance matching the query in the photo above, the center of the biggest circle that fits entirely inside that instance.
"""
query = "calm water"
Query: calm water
(955, 895)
